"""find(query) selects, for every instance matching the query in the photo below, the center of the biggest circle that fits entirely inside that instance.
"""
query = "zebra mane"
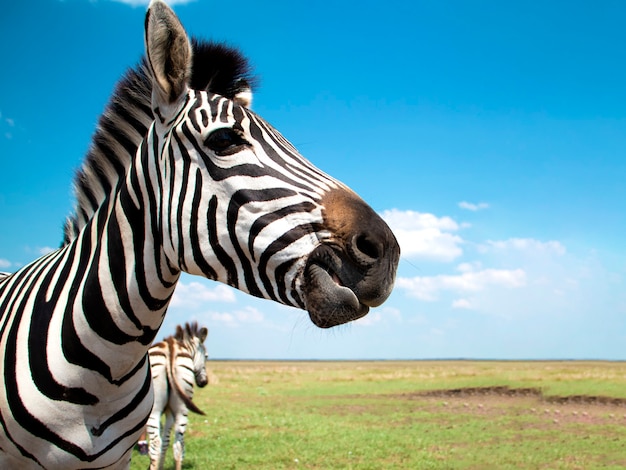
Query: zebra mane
(217, 68)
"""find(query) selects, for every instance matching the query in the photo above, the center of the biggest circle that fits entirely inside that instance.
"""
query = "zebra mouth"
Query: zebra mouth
(329, 298)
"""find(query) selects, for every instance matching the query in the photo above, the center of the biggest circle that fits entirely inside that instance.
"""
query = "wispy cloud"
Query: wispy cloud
(473, 207)
(382, 315)
(370, 319)
(426, 236)
(246, 316)
(145, 3)
(461, 303)
(197, 295)
(4, 263)
(526, 245)
(7, 124)
(428, 288)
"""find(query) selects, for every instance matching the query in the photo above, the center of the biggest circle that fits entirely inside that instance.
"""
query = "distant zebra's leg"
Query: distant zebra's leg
(179, 443)
(154, 434)
(165, 434)
(179, 450)
(159, 438)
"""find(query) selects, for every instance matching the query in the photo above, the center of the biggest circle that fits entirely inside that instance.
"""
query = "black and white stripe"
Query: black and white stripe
(178, 362)
(180, 177)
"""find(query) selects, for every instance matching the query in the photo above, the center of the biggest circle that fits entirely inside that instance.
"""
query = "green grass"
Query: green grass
(370, 415)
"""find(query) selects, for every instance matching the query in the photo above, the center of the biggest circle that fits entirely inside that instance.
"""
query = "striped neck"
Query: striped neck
(127, 279)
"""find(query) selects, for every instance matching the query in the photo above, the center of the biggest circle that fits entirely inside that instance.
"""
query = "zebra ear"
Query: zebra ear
(180, 334)
(202, 334)
(169, 53)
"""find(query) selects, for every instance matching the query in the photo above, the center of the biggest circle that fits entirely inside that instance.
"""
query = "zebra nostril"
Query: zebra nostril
(364, 249)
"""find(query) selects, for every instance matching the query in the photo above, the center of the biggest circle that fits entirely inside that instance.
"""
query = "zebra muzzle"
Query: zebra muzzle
(353, 269)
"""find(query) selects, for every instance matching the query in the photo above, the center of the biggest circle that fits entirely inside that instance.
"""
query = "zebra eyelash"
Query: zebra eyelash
(226, 141)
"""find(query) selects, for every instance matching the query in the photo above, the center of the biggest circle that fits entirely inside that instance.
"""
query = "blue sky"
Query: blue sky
(490, 135)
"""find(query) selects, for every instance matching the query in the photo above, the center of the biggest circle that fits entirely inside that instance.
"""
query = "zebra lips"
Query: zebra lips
(328, 302)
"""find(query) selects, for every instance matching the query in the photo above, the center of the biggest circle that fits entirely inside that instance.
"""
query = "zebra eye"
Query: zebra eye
(225, 141)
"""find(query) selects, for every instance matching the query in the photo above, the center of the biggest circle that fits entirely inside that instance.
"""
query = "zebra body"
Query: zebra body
(177, 363)
(179, 178)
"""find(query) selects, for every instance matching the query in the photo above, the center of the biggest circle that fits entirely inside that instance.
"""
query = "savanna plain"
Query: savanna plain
(408, 415)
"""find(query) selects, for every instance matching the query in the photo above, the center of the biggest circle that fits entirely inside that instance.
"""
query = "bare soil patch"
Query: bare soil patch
(498, 400)
(505, 391)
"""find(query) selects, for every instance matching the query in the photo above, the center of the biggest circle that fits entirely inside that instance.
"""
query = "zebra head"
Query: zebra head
(193, 337)
(237, 203)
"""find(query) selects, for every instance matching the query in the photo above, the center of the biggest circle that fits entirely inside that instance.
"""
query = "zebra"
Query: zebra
(181, 177)
(176, 362)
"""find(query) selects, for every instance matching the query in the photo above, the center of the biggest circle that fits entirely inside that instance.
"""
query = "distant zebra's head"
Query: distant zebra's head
(237, 203)
(193, 337)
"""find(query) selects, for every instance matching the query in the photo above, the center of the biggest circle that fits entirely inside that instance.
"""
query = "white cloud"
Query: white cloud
(5, 263)
(473, 207)
(370, 319)
(461, 303)
(466, 267)
(227, 318)
(196, 294)
(247, 315)
(428, 288)
(526, 245)
(423, 235)
(39, 250)
(413, 220)
(381, 315)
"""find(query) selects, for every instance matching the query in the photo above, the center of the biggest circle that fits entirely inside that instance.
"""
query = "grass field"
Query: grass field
(413, 415)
